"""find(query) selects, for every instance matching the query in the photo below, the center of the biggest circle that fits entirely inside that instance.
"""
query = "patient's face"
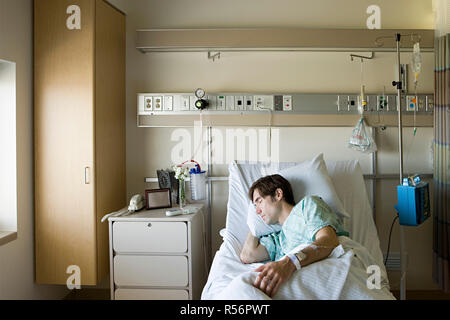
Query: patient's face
(266, 208)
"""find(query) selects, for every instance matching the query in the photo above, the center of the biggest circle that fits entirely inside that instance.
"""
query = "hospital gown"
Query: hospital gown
(306, 218)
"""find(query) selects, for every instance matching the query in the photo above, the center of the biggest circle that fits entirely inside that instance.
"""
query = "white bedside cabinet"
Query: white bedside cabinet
(155, 257)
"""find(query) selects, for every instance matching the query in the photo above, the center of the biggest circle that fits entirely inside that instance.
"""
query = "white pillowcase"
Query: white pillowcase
(348, 180)
(306, 178)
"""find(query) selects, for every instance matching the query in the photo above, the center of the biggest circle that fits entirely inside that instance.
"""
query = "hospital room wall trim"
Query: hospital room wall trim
(288, 120)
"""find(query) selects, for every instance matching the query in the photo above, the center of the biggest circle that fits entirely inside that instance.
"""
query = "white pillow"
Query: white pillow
(306, 178)
(257, 225)
(348, 179)
(237, 203)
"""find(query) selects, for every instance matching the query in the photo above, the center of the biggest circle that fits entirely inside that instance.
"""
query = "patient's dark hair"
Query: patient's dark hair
(269, 184)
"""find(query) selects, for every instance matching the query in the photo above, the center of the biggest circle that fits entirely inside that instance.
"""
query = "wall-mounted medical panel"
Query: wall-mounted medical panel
(228, 103)
(284, 109)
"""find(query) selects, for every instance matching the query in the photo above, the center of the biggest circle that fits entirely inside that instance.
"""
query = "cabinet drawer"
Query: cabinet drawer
(151, 294)
(159, 271)
(150, 237)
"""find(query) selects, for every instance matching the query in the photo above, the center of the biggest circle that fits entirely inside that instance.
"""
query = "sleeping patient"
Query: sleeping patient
(309, 221)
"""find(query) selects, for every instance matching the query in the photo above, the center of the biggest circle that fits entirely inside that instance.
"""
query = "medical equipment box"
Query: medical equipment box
(413, 205)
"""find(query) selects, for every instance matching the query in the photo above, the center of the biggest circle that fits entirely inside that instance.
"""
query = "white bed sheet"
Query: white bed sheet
(349, 183)
(342, 276)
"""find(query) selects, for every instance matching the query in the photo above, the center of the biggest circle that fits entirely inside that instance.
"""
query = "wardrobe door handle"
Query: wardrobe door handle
(86, 177)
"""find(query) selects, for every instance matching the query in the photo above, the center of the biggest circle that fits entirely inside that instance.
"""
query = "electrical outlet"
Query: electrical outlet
(148, 103)
(158, 103)
(430, 104)
(421, 103)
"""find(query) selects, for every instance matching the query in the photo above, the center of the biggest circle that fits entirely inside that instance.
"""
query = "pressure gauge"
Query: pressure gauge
(200, 103)
(200, 93)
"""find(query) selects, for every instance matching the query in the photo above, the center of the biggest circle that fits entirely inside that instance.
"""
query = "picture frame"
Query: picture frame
(166, 179)
(158, 198)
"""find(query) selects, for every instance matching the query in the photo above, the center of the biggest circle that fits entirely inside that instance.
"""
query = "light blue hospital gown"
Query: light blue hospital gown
(306, 218)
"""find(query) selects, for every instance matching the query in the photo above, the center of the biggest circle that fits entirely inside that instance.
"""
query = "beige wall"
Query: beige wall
(17, 257)
(402, 14)
(302, 72)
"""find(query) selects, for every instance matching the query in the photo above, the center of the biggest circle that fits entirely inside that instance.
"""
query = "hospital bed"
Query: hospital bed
(340, 276)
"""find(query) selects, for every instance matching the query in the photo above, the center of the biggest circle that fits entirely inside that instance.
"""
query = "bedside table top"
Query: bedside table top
(159, 215)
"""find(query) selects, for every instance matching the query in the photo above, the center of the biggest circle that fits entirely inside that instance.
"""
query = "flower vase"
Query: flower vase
(182, 193)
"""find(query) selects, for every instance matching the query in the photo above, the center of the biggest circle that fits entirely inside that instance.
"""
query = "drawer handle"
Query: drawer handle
(149, 225)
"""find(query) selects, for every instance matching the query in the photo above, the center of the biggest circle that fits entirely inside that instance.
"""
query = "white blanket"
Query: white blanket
(343, 275)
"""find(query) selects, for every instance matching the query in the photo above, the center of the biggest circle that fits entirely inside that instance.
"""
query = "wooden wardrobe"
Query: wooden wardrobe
(79, 135)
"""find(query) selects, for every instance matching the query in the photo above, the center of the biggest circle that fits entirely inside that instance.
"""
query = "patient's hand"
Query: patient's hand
(272, 275)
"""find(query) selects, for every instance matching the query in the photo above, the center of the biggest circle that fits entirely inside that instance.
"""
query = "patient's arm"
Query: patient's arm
(273, 274)
(253, 251)
(326, 241)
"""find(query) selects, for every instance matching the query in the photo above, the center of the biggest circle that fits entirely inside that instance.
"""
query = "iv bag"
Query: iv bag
(416, 60)
(360, 140)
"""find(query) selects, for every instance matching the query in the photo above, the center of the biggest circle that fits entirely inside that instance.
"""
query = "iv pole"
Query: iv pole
(400, 149)
(399, 86)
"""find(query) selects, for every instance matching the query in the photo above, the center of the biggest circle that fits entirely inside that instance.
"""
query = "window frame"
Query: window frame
(8, 161)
